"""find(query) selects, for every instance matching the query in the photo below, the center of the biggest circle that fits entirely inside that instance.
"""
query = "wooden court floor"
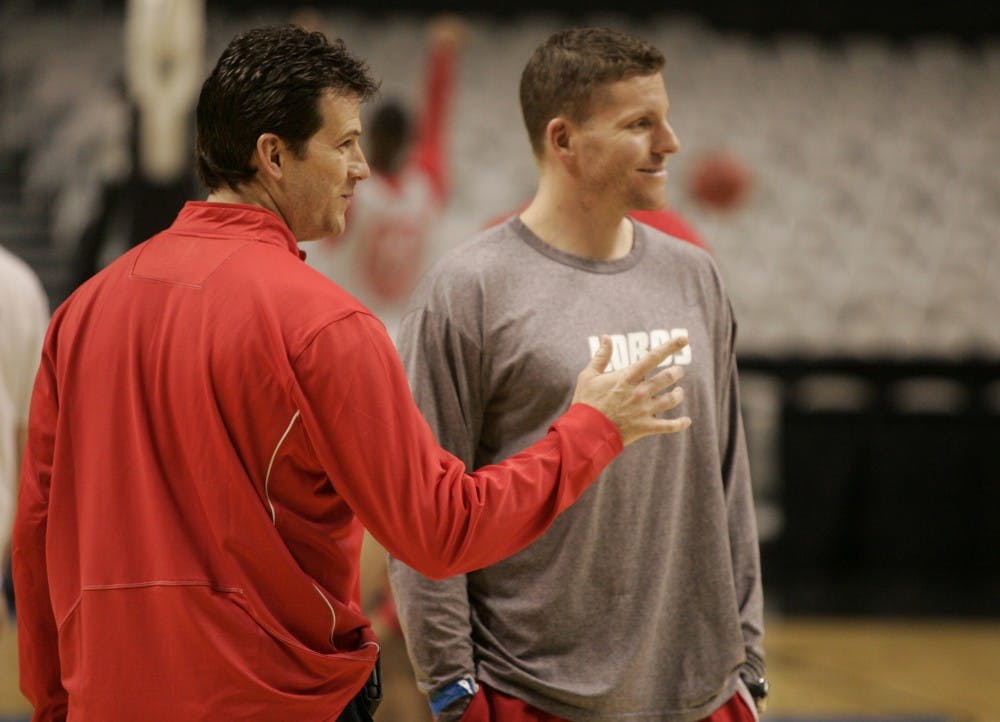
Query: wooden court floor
(818, 667)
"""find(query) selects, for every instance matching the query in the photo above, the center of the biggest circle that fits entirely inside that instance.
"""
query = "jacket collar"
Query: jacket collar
(237, 220)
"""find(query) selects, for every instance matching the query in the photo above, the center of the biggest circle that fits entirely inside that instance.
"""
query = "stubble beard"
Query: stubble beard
(647, 200)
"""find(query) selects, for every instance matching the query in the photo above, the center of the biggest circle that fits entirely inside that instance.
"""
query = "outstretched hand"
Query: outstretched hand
(448, 31)
(632, 401)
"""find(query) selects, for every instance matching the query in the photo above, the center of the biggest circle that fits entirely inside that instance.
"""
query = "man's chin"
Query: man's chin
(657, 203)
(330, 234)
(326, 235)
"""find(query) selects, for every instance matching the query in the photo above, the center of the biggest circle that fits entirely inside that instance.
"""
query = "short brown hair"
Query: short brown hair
(563, 74)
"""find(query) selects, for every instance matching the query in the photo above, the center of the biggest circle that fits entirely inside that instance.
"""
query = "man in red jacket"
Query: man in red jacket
(214, 422)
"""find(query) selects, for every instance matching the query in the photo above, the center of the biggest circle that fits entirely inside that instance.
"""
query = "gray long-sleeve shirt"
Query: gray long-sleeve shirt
(643, 600)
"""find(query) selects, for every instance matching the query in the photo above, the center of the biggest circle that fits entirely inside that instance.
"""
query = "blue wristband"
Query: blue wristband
(462, 687)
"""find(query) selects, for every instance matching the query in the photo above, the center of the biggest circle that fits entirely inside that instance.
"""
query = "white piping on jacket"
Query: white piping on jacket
(267, 477)
(333, 614)
(267, 495)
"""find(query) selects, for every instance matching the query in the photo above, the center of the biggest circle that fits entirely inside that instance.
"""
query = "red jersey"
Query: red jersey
(212, 423)
(381, 253)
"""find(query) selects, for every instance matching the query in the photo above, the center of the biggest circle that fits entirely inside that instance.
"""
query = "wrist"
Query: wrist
(759, 688)
(457, 693)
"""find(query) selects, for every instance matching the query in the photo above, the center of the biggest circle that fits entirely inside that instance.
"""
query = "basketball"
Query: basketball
(720, 181)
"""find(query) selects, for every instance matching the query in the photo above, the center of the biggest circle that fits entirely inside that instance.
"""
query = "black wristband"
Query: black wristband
(758, 688)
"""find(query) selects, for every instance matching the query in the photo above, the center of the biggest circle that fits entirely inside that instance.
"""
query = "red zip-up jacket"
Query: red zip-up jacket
(212, 424)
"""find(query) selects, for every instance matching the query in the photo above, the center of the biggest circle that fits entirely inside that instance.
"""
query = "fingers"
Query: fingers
(448, 31)
(668, 401)
(601, 357)
(654, 425)
(663, 380)
(628, 398)
(667, 426)
(638, 371)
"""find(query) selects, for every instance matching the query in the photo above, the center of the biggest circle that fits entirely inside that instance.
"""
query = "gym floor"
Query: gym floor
(842, 669)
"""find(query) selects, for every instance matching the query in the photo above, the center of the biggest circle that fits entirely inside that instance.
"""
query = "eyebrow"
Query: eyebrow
(348, 134)
(639, 115)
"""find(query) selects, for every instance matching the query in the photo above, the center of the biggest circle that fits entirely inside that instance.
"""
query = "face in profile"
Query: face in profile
(319, 183)
(624, 144)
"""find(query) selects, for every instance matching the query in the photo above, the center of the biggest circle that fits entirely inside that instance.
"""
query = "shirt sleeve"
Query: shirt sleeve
(743, 540)
(444, 367)
(416, 499)
(37, 634)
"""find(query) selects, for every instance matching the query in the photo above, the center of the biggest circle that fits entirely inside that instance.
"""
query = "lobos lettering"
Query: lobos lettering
(626, 348)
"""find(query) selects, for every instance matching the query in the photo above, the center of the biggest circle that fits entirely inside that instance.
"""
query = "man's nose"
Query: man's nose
(358, 169)
(667, 140)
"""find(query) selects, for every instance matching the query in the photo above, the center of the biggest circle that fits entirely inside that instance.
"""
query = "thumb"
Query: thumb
(601, 357)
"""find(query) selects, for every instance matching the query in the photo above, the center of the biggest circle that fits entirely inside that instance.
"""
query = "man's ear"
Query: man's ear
(269, 153)
(559, 137)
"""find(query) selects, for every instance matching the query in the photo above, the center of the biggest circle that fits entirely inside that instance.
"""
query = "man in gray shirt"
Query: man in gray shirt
(642, 602)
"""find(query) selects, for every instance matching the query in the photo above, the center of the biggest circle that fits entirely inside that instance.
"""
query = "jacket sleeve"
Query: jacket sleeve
(416, 499)
(444, 367)
(743, 540)
(38, 647)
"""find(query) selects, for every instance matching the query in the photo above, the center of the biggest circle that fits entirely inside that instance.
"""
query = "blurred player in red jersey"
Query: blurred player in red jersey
(381, 253)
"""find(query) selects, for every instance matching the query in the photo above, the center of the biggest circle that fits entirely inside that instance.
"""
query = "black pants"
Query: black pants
(356, 711)
(364, 704)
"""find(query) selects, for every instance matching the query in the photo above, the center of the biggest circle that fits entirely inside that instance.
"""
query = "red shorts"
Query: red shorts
(489, 705)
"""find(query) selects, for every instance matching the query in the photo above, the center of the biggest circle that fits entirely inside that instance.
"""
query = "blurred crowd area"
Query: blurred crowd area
(848, 187)
(868, 170)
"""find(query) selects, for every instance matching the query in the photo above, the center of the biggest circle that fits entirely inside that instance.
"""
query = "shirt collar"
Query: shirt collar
(236, 220)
